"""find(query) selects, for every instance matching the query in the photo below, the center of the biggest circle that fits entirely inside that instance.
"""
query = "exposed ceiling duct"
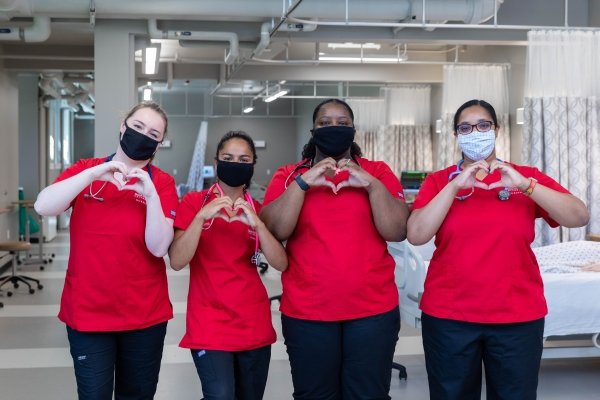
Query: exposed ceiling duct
(230, 37)
(39, 31)
(75, 91)
(471, 11)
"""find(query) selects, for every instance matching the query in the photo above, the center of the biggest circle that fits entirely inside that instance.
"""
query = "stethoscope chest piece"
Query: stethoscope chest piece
(504, 194)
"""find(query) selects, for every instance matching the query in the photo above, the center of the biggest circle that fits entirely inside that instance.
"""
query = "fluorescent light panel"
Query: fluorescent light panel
(147, 94)
(276, 95)
(350, 45)
(248, 109)
(364, 59)
(150, 59)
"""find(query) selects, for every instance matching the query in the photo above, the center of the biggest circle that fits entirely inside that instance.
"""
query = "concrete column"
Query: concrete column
(29, 143)
(114, 70)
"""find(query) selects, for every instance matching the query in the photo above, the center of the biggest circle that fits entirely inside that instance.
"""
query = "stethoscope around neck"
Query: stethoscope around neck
(503, 194)
(216, 188)
(92, 195)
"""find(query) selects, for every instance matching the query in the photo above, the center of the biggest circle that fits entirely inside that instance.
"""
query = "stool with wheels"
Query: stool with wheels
(13, 248)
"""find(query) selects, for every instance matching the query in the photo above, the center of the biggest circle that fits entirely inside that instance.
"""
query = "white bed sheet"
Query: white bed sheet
(573, 303)
(572, 294)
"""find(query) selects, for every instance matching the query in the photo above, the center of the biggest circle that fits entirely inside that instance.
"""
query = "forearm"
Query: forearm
(185, 244)
(389, 214)
(159, 229)
(424, 223)
(564, 208)
(57, 197)
(272, 249)
(281, 215)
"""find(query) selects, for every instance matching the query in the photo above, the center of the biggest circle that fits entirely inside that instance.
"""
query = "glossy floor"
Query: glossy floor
(35, 361)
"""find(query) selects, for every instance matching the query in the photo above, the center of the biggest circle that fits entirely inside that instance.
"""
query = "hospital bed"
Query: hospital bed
(572, 325)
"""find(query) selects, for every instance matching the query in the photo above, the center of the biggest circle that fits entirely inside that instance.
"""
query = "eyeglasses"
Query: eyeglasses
(482, 126)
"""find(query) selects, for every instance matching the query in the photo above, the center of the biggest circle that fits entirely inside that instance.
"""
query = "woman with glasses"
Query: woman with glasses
(228, 323)
(484, 299)
(115, 301)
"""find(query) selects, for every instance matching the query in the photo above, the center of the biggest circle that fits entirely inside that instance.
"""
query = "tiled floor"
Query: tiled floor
(35, 361)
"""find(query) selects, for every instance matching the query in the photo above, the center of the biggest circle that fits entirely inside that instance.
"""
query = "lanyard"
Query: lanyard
(503, 194)
(216, 188)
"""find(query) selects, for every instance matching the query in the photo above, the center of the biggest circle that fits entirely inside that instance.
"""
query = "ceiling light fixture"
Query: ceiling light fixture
(151, 58)
(147, 94)
(350, 45)
(280, 92)
(371, 60)
(249, 109)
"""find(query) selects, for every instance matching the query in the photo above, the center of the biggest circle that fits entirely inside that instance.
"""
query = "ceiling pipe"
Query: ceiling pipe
(265, 40)
(230, 37)
(39, 31)
(225, 10)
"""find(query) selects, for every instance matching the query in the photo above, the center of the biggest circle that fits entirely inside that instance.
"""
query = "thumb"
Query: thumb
(496, 185)
(482, 185)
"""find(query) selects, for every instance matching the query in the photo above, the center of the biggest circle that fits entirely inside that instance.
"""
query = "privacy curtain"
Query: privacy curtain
(467, 82)
(397, 129)
(562, 113)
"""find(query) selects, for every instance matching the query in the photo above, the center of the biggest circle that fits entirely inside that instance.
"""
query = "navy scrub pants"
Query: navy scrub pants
(128, 361)
(455, 351)
(346, 360)
(227, 375)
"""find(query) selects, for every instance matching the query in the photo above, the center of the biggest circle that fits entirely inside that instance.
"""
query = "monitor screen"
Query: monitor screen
(208, 171)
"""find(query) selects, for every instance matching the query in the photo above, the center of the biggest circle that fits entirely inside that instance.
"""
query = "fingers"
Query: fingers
(482, 185)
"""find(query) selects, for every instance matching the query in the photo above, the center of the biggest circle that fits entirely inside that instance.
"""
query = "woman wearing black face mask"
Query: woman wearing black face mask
(228, 329)
(339, 307)
(115, 301)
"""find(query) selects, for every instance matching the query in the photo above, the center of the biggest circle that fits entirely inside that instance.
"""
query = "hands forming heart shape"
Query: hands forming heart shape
(230, 215)
(336, 176)
(120, 180)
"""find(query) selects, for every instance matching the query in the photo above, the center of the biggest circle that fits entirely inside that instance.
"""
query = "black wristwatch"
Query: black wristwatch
(302, 183)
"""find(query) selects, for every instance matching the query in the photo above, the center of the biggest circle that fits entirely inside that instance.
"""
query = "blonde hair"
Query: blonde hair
(153, 106)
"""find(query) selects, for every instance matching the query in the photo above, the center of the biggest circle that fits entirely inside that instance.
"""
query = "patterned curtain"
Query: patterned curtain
(397, 129)
(561, 132)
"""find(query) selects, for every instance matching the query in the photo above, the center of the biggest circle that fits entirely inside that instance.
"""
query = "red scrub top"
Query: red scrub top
(228, 307)
(113, 282)
(483, 269)
(339, 265)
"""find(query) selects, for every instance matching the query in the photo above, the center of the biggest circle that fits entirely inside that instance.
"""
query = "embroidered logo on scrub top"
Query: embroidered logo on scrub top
(139, 198)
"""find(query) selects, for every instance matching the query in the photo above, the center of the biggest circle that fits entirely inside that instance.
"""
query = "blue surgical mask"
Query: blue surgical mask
(477, 145)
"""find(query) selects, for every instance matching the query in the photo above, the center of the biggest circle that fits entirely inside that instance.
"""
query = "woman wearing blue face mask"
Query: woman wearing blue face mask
(484, 300)
(339, 306)
(228, 322)
(115, 301)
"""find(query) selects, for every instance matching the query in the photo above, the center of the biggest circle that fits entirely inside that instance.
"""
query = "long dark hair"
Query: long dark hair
(310, 150)
(488, 107)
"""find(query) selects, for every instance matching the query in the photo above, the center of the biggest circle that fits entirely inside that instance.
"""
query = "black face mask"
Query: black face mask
(234, 174)
(138, 146)
(333, 140)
